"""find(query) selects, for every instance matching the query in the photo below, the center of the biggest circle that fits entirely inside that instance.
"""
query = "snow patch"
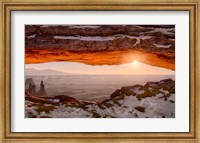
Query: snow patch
(162, 30)
(139, 38)
(137, 90)
(162, 46)
(100, 38)
(31, 36)
(54, 100)
(86, 38)
(164, 91)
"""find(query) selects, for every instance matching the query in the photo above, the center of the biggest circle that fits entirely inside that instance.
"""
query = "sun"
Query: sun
(135, 62)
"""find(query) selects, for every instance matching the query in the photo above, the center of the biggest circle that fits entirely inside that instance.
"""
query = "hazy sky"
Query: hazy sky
(134, 68)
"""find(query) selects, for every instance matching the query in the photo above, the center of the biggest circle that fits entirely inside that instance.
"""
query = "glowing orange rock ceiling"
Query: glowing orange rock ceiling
(101, 45)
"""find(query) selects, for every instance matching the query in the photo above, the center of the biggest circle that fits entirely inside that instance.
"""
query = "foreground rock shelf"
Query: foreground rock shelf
(152, 100)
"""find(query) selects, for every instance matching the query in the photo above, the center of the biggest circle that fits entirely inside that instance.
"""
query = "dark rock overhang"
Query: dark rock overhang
(101, 44)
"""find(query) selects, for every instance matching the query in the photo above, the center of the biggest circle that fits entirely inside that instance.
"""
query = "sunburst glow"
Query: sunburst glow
(135, 62)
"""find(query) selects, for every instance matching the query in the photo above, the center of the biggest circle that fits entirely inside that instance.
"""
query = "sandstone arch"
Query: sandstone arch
(101, 44)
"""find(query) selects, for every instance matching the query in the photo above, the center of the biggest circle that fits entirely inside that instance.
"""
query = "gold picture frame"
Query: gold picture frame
(5, 99)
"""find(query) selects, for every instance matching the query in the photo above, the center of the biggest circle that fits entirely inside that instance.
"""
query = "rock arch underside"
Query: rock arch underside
(101, 44)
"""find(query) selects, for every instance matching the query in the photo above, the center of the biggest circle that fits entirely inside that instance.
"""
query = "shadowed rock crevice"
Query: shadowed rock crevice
(101, 44)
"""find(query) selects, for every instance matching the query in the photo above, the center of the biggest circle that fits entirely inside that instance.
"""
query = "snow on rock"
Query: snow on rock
(54, 100)
(100, 38)
(31, 36)
(172, 97)
(139, 38)
(68, 112)
(86, 38)
(157, 108)
(156, 100)
(164, 91)
(30, 110)
(83, 39)
(137, 90)
(162, 30)
(162, 46)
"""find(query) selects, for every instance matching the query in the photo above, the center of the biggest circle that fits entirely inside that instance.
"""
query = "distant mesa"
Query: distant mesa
(32, 71)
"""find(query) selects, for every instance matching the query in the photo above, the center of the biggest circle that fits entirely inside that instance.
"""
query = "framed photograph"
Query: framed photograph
(100, 71)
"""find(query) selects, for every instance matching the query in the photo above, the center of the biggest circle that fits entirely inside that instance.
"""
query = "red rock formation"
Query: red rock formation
(101, 45)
